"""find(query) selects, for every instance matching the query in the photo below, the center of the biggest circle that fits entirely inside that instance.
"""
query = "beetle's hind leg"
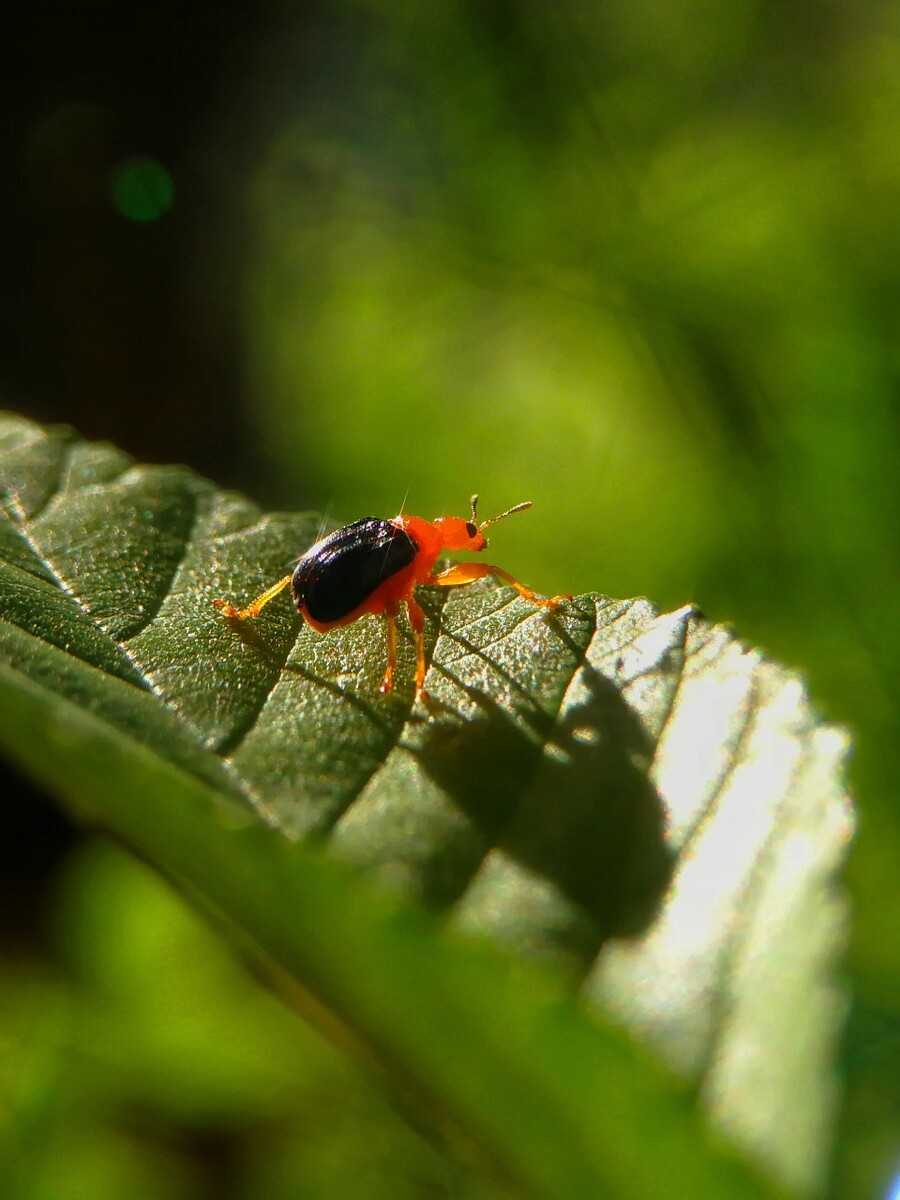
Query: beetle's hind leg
(463, 573)
(253, 608)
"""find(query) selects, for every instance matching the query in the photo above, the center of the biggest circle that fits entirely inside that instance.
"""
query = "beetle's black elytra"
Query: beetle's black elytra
(343, 570)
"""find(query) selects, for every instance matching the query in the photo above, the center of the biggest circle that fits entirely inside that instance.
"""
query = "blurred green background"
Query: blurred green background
(638, 263)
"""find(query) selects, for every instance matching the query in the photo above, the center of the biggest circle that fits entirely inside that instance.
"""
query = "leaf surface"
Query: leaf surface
(634, 798)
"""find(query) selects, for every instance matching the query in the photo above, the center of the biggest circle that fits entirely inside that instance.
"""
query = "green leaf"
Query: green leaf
(634, 799)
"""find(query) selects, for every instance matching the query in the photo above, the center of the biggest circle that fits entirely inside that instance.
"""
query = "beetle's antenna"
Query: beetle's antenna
(473, 500)
(509, 512)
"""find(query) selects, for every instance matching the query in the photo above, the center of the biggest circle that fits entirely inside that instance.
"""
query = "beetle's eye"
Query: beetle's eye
(471, 528)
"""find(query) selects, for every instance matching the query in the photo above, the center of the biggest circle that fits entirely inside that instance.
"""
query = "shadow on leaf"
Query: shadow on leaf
(574, 825)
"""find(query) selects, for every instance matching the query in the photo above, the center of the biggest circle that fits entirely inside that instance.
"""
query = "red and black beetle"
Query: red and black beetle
(373, 566)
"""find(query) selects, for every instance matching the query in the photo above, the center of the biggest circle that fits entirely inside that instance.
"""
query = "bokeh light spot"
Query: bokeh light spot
(142, 189)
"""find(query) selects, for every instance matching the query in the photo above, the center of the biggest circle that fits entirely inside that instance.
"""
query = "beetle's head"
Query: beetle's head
(460, 534)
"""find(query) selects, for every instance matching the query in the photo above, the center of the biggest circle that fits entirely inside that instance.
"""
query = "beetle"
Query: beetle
(374, 565)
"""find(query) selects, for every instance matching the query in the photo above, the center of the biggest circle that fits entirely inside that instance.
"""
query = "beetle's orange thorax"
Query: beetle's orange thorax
(427, 538)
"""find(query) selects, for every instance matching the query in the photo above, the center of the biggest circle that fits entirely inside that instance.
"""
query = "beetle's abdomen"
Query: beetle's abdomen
(339, 573)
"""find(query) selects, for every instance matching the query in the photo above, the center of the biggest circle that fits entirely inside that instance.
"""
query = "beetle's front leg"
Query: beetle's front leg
(463, 573)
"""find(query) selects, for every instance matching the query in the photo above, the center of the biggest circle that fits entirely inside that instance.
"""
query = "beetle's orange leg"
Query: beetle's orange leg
(253, 608)
(417, 621)
(462, 573)
(387, 683)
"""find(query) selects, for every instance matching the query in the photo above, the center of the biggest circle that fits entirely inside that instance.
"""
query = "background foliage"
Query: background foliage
(636, 263)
